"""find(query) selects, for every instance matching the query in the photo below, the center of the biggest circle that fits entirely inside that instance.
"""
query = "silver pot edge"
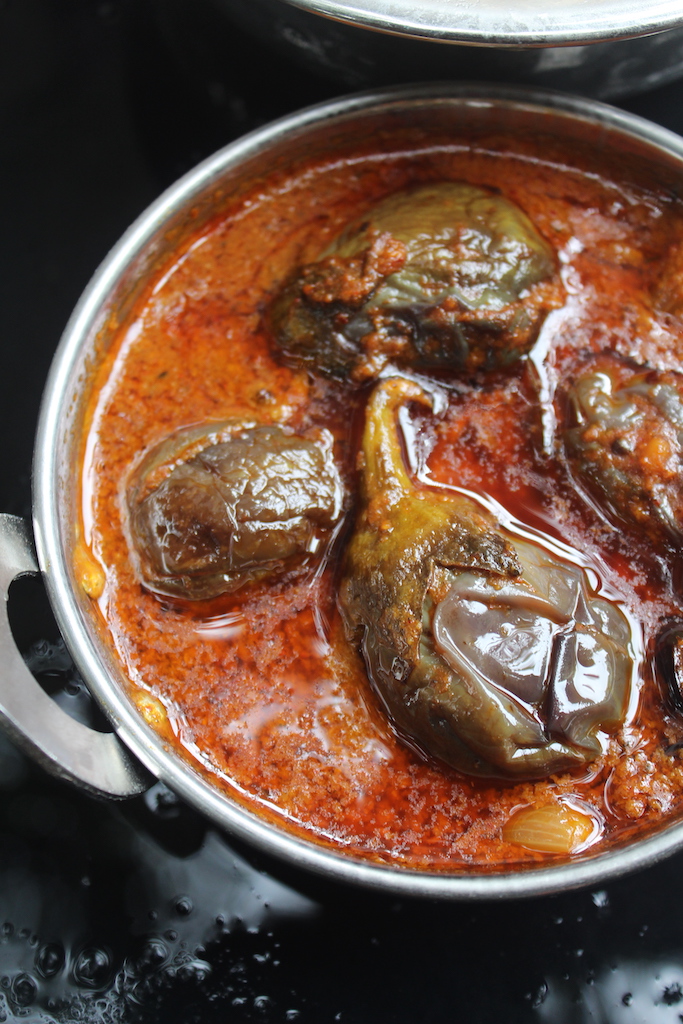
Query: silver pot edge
(497, 23)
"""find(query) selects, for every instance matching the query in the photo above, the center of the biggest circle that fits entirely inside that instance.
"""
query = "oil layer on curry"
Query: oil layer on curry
(382, 504)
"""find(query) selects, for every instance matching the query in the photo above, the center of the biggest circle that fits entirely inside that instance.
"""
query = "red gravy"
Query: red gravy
(260, 690)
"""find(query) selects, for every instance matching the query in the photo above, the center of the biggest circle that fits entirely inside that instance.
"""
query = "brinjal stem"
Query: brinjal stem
(385, 470)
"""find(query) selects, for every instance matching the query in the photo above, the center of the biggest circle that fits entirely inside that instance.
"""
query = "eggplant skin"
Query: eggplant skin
(214, 508)
(624, 444)
(669, 666)
(443, 276)
(497, 658)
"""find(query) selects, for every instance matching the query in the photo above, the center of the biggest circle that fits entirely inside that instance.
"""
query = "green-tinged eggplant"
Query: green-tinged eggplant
(489, 651)
(444, 276)
(624, 444)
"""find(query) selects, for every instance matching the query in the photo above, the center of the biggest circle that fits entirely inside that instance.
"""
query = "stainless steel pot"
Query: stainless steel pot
(600, 48)
(120, 764)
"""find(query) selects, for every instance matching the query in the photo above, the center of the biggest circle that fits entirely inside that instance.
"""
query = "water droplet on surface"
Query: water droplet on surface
(672, 994)
(196, 971)
(92, 968)
(154, 954)
(24, 989)
(183, 906)
(162, 801)
(541, 995)
(50, 959)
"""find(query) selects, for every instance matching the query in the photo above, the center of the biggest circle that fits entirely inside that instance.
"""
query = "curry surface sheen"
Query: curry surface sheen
(261, 688)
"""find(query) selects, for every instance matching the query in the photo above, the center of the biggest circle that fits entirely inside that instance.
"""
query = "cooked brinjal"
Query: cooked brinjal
(625, 447)
(668, 292)
(669, 664)
(443, 276)
(489, 652)
(213, 509)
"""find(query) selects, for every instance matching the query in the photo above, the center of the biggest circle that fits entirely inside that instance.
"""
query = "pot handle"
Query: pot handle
(94, 761)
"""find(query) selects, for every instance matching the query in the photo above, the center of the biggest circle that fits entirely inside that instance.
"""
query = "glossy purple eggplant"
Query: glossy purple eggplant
(213, 508)
(489, 651)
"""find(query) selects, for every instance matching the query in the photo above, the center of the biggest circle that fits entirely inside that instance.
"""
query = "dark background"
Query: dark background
(141, 912)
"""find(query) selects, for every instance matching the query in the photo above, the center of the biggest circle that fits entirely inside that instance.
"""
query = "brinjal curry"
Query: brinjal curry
(383, 501)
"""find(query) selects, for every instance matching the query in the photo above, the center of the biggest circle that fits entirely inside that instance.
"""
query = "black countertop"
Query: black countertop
(141, 911)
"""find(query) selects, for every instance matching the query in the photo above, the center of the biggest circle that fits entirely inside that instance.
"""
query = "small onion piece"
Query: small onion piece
(551, 828)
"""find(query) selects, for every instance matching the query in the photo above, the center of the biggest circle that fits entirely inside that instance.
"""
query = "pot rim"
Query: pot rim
(499, 23)
(53, 558)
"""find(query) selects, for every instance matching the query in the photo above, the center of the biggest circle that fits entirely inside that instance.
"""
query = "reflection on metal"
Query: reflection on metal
(500, 23)
(95, 761)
